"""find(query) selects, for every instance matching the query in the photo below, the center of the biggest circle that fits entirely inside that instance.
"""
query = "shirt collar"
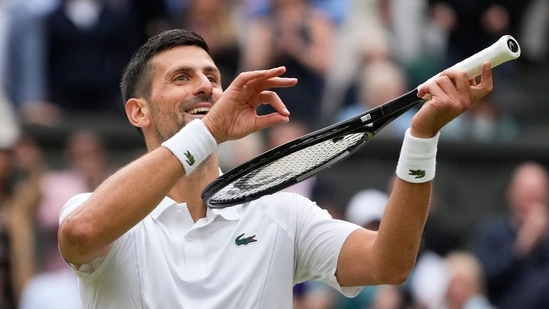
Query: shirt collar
(228, 213)
(160, 208)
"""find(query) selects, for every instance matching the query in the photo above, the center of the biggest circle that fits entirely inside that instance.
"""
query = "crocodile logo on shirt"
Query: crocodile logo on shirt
(190, 158)
(240, 240)
(417, 173)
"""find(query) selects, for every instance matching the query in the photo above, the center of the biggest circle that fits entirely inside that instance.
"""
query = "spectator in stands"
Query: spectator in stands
(299, 36)
(20, 172)
(215, 21)
(380, 81)
(361, 37)
(485, 122)
(84, 46)
(465, 287)
(514, 251)
(86, 165)
(88, 42)
(471, 25)
(21, 64)
(18, 198)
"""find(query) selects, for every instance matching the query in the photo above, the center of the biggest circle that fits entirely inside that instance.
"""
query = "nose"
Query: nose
(204, 86)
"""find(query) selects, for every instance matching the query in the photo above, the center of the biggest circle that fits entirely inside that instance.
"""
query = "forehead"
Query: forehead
(182, 56)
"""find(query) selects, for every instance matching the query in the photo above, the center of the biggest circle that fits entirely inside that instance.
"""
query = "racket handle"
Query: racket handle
(503, 50)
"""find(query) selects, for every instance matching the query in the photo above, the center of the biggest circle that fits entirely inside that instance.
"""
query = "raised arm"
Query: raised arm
(388, 256)
(130, 194)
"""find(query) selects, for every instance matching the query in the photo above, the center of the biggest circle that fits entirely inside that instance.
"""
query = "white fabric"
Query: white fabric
(167, 261)
(51, 290)
(417, 161)
(366, 206)
(191, 145)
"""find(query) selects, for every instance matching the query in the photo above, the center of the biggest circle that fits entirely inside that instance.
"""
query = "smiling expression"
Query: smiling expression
(185, 85)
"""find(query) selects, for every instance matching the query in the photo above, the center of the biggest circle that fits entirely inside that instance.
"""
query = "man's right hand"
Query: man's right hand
(234, 115)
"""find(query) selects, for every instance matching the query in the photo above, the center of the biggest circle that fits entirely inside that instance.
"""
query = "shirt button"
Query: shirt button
(189, 237)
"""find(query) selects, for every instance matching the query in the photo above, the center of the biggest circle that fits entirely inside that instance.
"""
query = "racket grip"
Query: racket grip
(503, 50)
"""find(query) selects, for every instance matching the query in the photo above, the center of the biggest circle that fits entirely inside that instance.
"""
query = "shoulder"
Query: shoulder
(284, 202)
(290, 209)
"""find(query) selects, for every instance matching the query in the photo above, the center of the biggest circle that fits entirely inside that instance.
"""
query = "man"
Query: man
(144, 238)
(514, 248)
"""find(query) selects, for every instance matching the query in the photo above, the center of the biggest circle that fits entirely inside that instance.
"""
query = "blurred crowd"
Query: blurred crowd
(62, 60)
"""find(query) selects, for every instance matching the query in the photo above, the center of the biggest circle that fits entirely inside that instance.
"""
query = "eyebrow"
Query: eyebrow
(188, 69)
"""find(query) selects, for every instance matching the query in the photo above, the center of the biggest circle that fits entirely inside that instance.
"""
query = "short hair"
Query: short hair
(136, 78)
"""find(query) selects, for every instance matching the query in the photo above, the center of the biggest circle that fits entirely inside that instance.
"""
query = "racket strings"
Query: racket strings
(288, 167)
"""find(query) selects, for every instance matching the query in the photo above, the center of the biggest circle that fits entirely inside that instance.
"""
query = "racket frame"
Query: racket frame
(369, 123)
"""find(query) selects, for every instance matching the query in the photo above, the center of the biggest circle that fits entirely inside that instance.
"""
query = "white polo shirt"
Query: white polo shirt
(246, 256)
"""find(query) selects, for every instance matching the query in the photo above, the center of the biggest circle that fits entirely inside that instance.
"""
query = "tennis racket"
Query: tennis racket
(306, 156)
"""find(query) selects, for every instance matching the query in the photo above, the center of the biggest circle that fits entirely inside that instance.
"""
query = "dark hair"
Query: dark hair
(136, 78)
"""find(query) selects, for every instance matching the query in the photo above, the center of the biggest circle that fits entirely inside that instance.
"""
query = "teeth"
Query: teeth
(198, 110)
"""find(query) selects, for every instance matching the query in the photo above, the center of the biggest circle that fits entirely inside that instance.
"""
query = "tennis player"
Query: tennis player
(144, 238)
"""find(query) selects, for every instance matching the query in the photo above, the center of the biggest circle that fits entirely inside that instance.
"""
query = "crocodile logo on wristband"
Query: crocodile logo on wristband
(417, 173)
(190, 158)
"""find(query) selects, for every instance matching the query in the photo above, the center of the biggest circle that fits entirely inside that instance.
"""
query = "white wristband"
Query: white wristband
(417, 161)
(191, 145)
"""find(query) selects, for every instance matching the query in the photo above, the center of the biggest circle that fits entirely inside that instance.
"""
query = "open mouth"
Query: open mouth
(198, 111)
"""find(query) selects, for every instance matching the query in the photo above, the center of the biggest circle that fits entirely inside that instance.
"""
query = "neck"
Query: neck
(189, 188)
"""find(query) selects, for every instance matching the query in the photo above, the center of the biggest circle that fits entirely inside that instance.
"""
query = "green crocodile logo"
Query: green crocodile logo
(190, 158)
(240, 240)
(417, 173)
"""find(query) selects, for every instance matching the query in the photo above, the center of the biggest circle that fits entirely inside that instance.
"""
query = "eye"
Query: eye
(181, 77)
(213, 79)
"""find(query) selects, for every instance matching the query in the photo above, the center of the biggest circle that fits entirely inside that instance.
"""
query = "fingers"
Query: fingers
(446, 84)
(450, 93)
(280, 115)
(271, 98)
(263, 79)
(234, 114)
(464, 84)
(478, 91)
(458, 79)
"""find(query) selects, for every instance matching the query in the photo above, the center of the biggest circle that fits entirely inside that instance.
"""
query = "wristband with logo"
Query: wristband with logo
(417, 161)
(191, 145)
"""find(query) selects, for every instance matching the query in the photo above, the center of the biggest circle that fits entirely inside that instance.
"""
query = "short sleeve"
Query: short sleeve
(319, 239)
(72, 204)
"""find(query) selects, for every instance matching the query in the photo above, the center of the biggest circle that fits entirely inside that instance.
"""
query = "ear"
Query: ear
(137, 111)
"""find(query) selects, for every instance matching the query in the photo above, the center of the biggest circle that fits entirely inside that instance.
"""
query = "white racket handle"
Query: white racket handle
(503, 50)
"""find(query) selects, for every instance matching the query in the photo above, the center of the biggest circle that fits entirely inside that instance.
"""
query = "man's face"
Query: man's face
(185, 84)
